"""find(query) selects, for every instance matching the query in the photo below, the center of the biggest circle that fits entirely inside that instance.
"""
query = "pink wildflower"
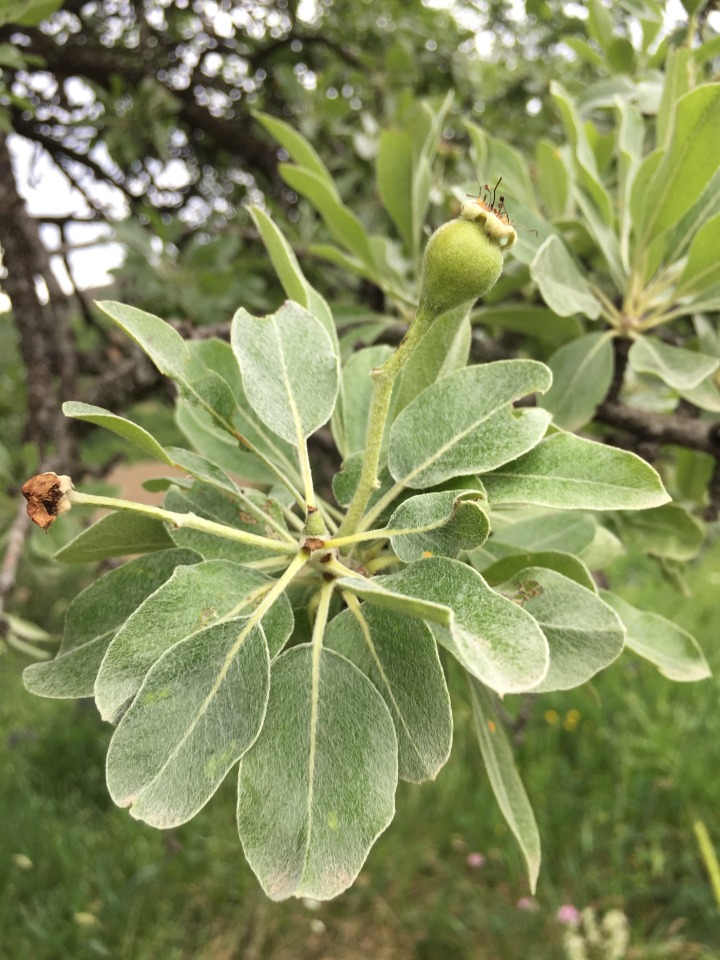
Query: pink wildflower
(568, 914)
(475, 860)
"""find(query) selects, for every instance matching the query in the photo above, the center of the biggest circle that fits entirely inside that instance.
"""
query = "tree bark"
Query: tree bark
(670, 428)
(46, 341)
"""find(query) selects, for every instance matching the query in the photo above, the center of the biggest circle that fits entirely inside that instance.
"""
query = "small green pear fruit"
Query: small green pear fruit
(464, 258)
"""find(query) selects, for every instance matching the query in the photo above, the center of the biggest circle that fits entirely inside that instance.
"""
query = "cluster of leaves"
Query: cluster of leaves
(650, 226)
(299, 637)
(618, 232)
(204, 659)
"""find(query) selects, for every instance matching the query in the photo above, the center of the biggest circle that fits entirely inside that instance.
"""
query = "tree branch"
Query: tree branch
(712, 511)
(15, 541)
(46, 341)
(85, 308)
(621, 349)
(98, 65)
(670, 428)
(260, 57)
(60, 221)
(59, 152)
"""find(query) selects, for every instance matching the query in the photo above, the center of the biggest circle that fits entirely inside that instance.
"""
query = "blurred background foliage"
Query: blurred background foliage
(149, 110)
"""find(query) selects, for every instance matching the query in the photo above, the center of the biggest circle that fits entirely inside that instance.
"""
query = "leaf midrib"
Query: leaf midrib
(457, 438)
(575, 481)
(231, 614)
(300, 434)
(580, 370)
(87, 643)
(202, 709)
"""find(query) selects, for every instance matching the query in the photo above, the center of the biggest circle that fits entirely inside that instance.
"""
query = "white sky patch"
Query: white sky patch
(78, 93)
(47, 193)
(223, 25)
(674, 12)
(308, 11)
(173, 175)
(484, 42)
(516, 10)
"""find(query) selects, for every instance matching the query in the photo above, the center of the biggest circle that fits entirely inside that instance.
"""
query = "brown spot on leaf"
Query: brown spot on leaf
(46, 495)
(527, 590)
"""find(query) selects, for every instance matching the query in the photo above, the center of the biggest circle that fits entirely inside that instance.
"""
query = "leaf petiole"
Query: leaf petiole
(189, 521)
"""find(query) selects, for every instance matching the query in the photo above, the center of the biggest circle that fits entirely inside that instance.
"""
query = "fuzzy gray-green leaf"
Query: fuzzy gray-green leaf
(582, 371)
(561, 284)
(93, 619)
(565, 563)
(669, 531)
(318, 786)
(572, 473)
(290, 275)
(494, 639)
(120, 425)
(465, 423)
(164, 345)
(192, 599)
(679, 368)
(289, 370)
(584, 633)
(440, 524)
(505, 780)
(120, 534)
(687, 159)
(199, 709)
(571, 532)
(398, 654)
(674, 651)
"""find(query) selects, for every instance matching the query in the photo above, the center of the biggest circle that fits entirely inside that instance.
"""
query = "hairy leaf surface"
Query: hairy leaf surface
(199, 709)
(398, 654)
(318, 787)
(93, 619)
(193, 599)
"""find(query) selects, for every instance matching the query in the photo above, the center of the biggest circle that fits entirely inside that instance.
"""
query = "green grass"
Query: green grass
(615, 798)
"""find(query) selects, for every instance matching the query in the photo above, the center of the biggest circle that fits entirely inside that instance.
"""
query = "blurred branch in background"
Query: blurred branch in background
(15, 542)
(46, 339)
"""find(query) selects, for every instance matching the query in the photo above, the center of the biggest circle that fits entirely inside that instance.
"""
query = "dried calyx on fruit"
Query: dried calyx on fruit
(48, 497)
(464, 257)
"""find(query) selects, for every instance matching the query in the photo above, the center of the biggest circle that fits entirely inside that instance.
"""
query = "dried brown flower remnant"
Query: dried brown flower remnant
(47, 497)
